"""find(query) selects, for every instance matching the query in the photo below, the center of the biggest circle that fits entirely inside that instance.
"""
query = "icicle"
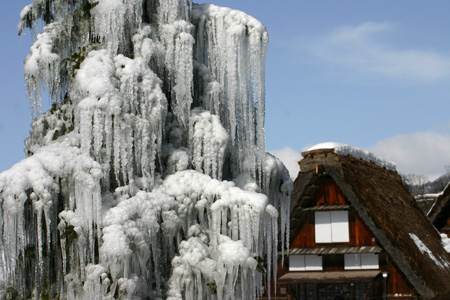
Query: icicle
(133, 104)
(172, 10)
(183, 83)
(42, 67)
(278, 187)
(233, 41)
(208, 139)
(38, 207)
(113, 19)
(178, 41)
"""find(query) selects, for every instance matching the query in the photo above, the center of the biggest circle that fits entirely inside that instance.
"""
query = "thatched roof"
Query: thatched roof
(440, 212)
(386, 207)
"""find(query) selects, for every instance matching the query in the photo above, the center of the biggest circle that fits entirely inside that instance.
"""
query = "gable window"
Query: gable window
(305, 263)
(364, 261)
(331, 226)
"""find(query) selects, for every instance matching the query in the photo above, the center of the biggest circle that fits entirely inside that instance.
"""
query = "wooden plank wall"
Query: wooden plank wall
(396, 282)
(330, 194)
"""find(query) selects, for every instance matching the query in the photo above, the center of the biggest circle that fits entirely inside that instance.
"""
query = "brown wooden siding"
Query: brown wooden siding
(396, 283)
(330, 194)
(360, 234)
(305, 238)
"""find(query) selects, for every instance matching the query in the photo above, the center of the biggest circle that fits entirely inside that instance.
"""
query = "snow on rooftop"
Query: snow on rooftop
(326, 145)
(344, 150)
(424, 249)
(445, 242)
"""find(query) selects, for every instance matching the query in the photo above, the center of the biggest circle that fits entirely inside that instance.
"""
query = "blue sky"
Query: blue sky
(372, 74)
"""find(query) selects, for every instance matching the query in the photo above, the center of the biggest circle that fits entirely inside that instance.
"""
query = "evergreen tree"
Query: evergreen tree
(148, 177)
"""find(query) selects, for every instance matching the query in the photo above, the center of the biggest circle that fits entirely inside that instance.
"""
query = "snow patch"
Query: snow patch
(443, 264)
(445, 242)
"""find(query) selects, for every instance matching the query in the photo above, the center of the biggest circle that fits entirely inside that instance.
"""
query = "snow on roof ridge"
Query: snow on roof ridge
(344, 149)
(326, 145)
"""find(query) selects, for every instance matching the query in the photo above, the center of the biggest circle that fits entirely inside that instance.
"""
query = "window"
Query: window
(331, 226)
(361, 261)
(305, 263)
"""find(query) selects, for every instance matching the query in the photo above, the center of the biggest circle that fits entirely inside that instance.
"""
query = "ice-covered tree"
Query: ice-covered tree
(148, 177)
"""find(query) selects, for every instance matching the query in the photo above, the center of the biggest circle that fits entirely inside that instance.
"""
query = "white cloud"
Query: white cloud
(290, 159)
(422, 153)
(362, 49)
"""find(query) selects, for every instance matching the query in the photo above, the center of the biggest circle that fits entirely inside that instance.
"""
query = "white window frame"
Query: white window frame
(331, 226)
(361, 261)
(305, 263)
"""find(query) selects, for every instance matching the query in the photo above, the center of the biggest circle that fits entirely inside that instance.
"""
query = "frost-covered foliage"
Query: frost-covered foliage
(148, 177)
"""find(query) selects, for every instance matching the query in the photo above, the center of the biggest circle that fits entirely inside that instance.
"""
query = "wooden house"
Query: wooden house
(356, 233)
(439, 214)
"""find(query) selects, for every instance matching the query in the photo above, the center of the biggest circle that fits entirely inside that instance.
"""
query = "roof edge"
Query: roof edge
(398, 257)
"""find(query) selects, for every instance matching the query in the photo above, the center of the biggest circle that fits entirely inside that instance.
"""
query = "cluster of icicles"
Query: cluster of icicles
(148, 178)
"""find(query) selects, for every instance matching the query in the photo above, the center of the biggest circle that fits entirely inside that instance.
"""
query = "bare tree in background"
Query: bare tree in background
(416, 184)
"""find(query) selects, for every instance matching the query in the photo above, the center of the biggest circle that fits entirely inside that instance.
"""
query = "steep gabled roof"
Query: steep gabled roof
(440, 212)
(386, 207)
